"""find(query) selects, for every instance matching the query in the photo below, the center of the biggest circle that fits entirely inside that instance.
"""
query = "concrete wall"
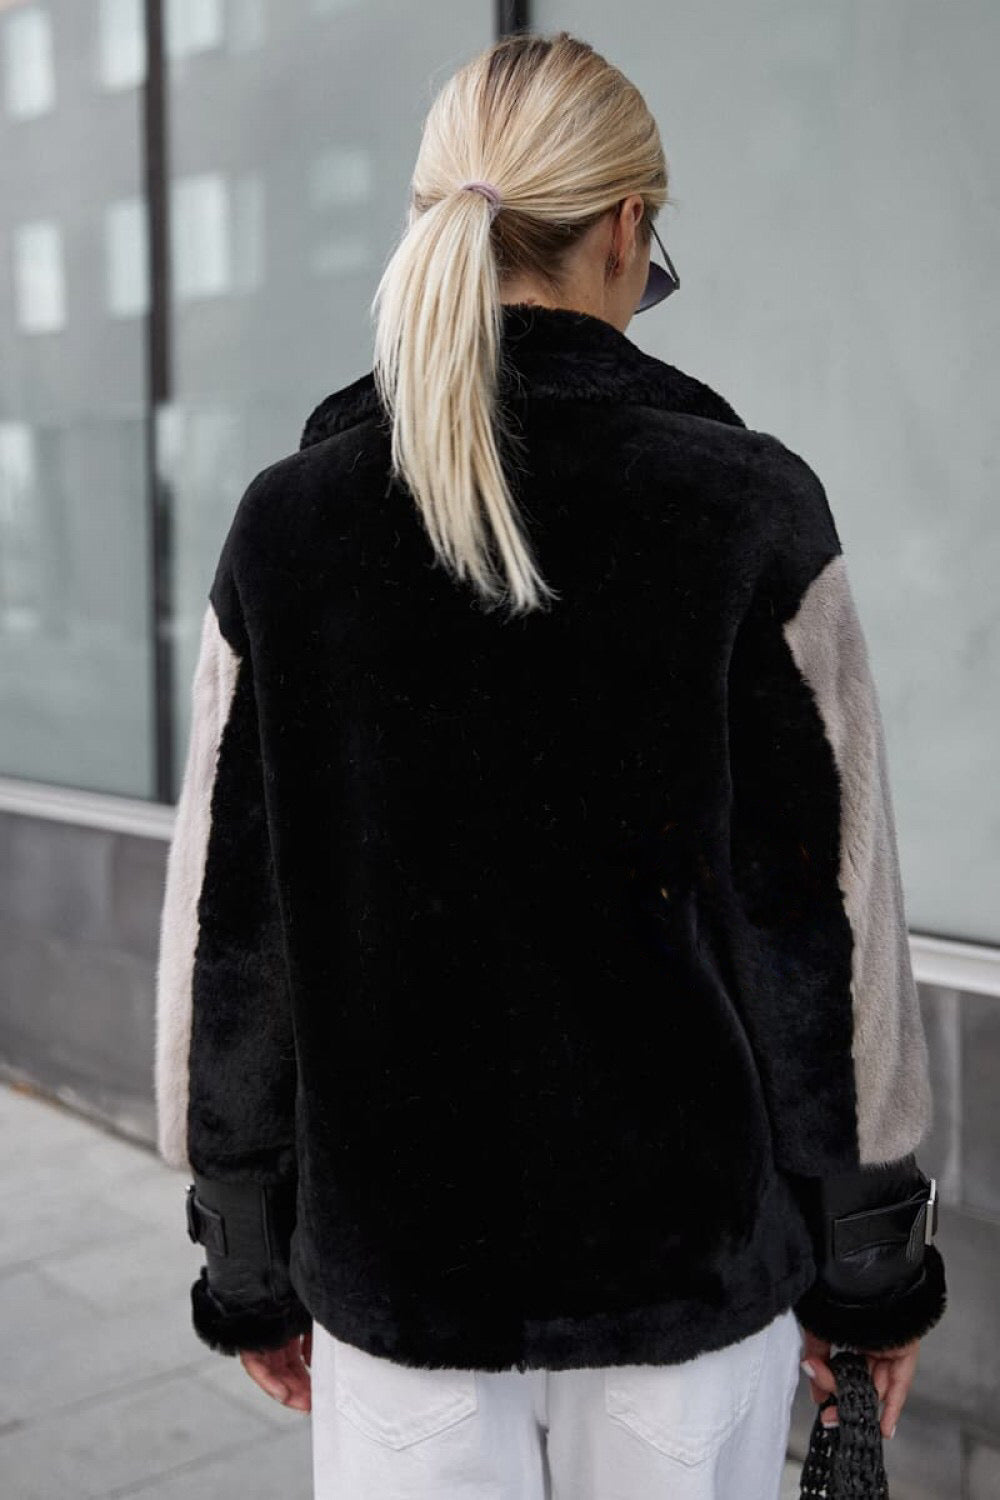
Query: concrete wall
(79, 909)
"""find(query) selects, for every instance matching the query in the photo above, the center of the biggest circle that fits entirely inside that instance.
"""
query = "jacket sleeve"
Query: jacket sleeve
(821, 953)
(225, 1068)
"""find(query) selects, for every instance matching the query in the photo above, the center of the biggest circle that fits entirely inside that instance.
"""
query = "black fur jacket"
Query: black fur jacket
(535, 991)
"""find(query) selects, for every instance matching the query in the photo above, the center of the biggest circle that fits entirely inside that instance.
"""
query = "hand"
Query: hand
(892, 1372)
(283, 1373)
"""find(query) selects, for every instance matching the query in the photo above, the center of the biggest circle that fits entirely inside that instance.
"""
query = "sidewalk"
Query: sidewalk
(106, 1391)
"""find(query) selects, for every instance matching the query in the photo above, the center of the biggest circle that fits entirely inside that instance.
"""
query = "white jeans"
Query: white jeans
(712, 1428)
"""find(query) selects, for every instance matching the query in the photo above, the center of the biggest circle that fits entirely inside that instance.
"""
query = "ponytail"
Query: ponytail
(437, 343)
(565, 136)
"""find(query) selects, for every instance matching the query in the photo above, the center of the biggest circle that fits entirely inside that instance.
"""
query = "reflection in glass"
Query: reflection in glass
(247, 240)
(341, 174)
(341, 177)
(76, 643)
(291, 171)
(200, 240)
(121, 44)
(217, 234)
(29, 76)
(127, 258)
(39, 281)
(200, 454)
(341, 255)
(20, 584)
(193, 26)
(246, 24)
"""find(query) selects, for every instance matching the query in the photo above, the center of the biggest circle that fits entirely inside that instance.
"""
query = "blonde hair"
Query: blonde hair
(564, 136)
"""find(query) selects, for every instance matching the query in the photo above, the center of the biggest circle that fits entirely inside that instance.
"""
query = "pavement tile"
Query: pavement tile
(791, 1481)
(56, 1209)
(33, 1309)
(32, 1127)
(111, 1443)
(281, 1465)
(148, 1265)
(85, 1353)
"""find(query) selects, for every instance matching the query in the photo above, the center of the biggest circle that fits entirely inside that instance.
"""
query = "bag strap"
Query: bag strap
(846, 1462)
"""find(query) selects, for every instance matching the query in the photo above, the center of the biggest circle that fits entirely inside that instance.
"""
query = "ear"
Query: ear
(628, 214)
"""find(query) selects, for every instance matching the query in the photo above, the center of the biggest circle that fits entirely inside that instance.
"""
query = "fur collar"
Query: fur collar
(554, 352)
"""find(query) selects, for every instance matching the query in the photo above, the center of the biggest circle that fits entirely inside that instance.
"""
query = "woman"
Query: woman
(536, 1020)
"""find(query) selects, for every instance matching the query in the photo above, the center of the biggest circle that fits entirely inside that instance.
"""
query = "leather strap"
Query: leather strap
(912, 1222)
(205, 1225)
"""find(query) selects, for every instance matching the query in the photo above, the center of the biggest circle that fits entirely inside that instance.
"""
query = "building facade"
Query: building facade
(196, 198)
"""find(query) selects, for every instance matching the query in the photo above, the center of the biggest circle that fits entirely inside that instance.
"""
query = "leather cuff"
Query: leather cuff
(880, 1280)
(230, 1329)
(884, 1322)
(244, 1297)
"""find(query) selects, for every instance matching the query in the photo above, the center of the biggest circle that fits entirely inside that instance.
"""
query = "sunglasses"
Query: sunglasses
(659, 283)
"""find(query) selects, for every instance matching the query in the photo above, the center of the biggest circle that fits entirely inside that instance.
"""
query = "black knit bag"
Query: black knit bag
(845, 1462)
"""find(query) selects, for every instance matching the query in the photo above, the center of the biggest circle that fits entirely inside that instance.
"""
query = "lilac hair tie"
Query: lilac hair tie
(488, 191)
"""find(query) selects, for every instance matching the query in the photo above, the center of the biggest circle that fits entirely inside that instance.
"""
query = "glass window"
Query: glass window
(29, 75)
(201, 247)
(293, 130)
(21, 556)
(193, 26)
(39, 282)
(839, 274)
(246, 24)
(340, 178)
(339, 175)
(76, 664)
(121, 44)
(127, 258)
(292, 165)
(218, 234)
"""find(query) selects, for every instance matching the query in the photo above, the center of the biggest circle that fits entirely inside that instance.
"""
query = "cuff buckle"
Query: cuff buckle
(205, 1226)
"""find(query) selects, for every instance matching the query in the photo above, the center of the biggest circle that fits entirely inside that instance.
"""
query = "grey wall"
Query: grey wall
(79, 912)
(79, 915)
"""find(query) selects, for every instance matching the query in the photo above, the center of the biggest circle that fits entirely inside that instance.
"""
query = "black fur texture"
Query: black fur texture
(887, 1324)
(521, 944)
(230, 1330)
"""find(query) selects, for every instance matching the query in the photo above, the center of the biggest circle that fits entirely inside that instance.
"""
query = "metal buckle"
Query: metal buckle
(206, 1225)
(192, 1215)
(931, 1214)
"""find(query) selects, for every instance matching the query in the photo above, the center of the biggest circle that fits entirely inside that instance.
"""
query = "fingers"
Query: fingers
(822, 1381)
(259, 1368)
(899, 1378)
(298, 1378)
(821, 1384)
(879, 1371)
(891, 1371)
(281, 1373)
(821, 1377)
